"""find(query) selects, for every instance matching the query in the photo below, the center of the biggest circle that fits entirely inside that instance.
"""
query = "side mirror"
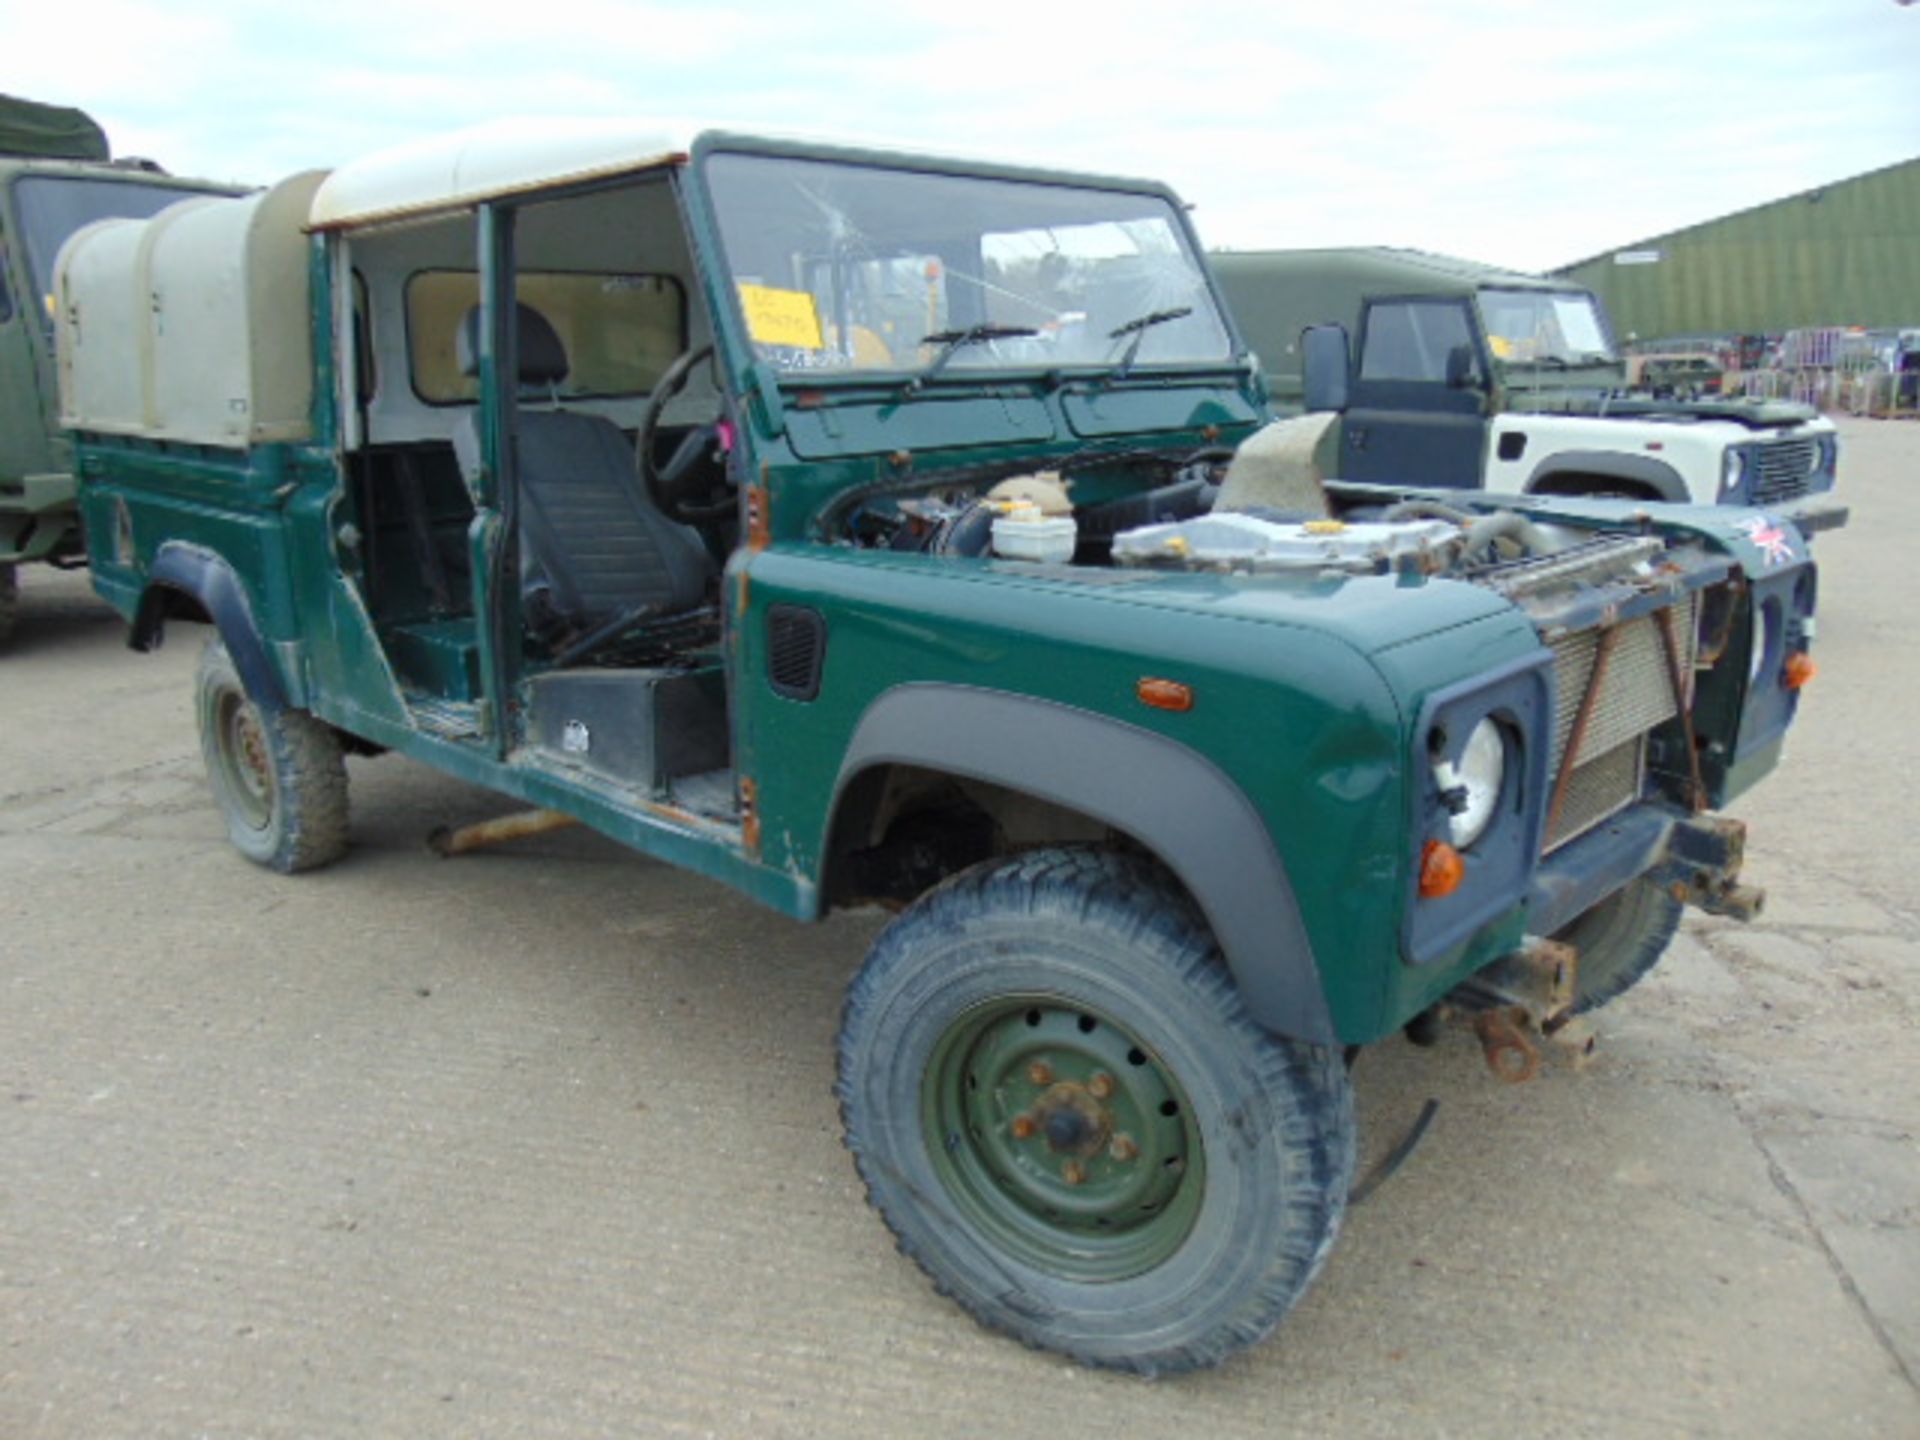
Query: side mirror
(1460, 368)
(1326, 365)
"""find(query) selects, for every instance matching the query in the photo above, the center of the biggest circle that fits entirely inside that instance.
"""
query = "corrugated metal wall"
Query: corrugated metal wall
(1846, 254)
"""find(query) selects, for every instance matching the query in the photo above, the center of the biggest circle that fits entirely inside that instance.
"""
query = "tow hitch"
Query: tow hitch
(1702, 868)
(1523, 999)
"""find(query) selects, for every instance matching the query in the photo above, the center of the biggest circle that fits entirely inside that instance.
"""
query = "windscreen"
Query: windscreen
(1544, 327)
(52, 207)
(844, 268)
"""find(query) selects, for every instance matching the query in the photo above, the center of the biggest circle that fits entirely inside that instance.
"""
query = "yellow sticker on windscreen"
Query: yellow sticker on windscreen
(782, 317)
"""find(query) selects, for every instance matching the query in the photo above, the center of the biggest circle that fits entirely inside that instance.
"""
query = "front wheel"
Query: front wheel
(280, 779)
(1619, 942)
(1061, 1108)
(9, 599)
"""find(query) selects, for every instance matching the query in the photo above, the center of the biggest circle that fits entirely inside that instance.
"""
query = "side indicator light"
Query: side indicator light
(1165, 695)
(1441, 870)
(1799, 670)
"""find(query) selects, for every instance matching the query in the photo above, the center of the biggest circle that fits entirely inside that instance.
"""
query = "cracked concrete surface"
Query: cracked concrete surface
(539, 1142)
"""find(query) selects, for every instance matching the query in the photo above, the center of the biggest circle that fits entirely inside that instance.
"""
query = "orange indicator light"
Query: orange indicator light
(1165, 695)
(1799, 670)
(1441, 870)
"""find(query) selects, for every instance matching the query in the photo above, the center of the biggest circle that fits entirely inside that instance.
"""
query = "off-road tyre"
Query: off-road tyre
(1097, 964)
(9, 599)
(280, 780)
(1620, 940)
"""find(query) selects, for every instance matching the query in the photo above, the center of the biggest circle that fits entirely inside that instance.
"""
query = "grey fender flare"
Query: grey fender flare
(1166, 795)
(198, 573)
(1641, 469)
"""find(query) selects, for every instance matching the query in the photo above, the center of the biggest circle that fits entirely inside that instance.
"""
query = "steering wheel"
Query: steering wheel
(690, 486)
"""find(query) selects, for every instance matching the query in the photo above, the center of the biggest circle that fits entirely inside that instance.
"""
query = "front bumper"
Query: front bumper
(38, 517)
(1698, 857)
(1814, 514)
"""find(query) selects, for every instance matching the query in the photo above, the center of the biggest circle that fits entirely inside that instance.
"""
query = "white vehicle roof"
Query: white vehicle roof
(444, 172)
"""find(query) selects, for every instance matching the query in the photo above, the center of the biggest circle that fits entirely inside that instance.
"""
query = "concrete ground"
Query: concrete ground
(540, 1142)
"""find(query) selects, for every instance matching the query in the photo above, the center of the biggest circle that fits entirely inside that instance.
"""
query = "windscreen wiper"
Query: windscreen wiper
(1138, 328)
(952, 342)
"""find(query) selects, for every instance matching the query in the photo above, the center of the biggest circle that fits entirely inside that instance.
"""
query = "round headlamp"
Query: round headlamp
(1473, 782)
(1764, 623)
(1732, 466)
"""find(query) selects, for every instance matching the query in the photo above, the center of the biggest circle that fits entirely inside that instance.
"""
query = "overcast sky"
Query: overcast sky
(1526, 134)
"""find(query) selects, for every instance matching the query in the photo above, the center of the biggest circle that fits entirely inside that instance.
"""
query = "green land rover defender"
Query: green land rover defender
(857, 527)
(56, 176)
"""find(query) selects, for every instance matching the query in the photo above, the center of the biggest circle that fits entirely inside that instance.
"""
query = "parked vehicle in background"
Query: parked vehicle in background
(56, 176)
(1470, 377)
(852, 526)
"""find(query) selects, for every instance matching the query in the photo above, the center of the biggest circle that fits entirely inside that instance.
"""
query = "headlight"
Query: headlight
(1731, 466)
(1765, 622)
(1473, 782)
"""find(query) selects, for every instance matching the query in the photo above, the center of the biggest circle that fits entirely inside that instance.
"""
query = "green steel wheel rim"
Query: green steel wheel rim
(1062, 1139)
(246, 769)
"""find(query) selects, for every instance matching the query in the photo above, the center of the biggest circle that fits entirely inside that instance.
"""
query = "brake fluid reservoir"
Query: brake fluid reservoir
(1022, 532)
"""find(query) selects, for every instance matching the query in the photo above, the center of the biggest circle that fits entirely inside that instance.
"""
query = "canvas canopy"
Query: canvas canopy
(49, 132)
(192, 326)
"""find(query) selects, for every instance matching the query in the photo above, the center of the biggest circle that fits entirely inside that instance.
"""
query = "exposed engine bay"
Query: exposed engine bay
(1638, 621)
(1260, 510)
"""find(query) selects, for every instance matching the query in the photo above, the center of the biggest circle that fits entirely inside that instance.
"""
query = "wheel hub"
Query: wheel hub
(244, 760)
(1068, 1139)
(1072, 1121)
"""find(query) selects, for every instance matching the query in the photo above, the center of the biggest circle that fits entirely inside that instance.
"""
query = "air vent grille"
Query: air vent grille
(796, 650)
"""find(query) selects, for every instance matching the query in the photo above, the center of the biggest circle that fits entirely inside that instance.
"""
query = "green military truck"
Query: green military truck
(858, 527)
(1465, 376)
(56, 176)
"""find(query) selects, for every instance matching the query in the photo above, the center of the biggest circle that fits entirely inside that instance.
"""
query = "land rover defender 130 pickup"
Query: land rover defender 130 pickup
(853, 526)
(1465, 376)
(56, 175)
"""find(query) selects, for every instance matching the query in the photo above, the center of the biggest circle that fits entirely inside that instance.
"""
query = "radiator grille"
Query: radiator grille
(1782, 470)
(1603, 786)
(1636, 694)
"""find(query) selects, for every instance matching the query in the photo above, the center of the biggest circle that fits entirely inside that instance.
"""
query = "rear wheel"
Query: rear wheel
(9, 599)
(279, 778)
(1062, 1110)
(1619, 942)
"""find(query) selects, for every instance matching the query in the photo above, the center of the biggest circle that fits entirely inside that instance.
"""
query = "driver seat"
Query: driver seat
(593, 546)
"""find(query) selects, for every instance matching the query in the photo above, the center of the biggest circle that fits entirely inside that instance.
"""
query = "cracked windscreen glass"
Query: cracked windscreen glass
(844, 268)
(1544, 327)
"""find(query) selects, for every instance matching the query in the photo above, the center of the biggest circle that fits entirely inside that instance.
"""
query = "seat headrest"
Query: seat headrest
(543, 359)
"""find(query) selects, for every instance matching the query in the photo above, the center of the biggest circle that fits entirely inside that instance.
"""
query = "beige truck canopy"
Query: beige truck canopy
(194, 326)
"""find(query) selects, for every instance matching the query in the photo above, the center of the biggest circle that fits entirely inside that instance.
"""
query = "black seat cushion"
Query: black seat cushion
(592, 547)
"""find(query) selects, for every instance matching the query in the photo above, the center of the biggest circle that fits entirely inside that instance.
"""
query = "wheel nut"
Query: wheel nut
(1073, 1172)
(1023, 1127)
(1123, 1148)
(1101, 1086)
(1040, 1073)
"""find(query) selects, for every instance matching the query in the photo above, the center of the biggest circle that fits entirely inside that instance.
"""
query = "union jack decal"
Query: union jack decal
(1772, 538)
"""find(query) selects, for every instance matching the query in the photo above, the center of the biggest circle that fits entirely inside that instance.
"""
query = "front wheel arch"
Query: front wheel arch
(1595, 472)
(1179, 806)
(1576, 483)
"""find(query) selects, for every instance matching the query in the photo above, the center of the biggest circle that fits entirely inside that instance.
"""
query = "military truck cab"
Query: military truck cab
(861, 527)
(1451, 373)
(56, 177)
